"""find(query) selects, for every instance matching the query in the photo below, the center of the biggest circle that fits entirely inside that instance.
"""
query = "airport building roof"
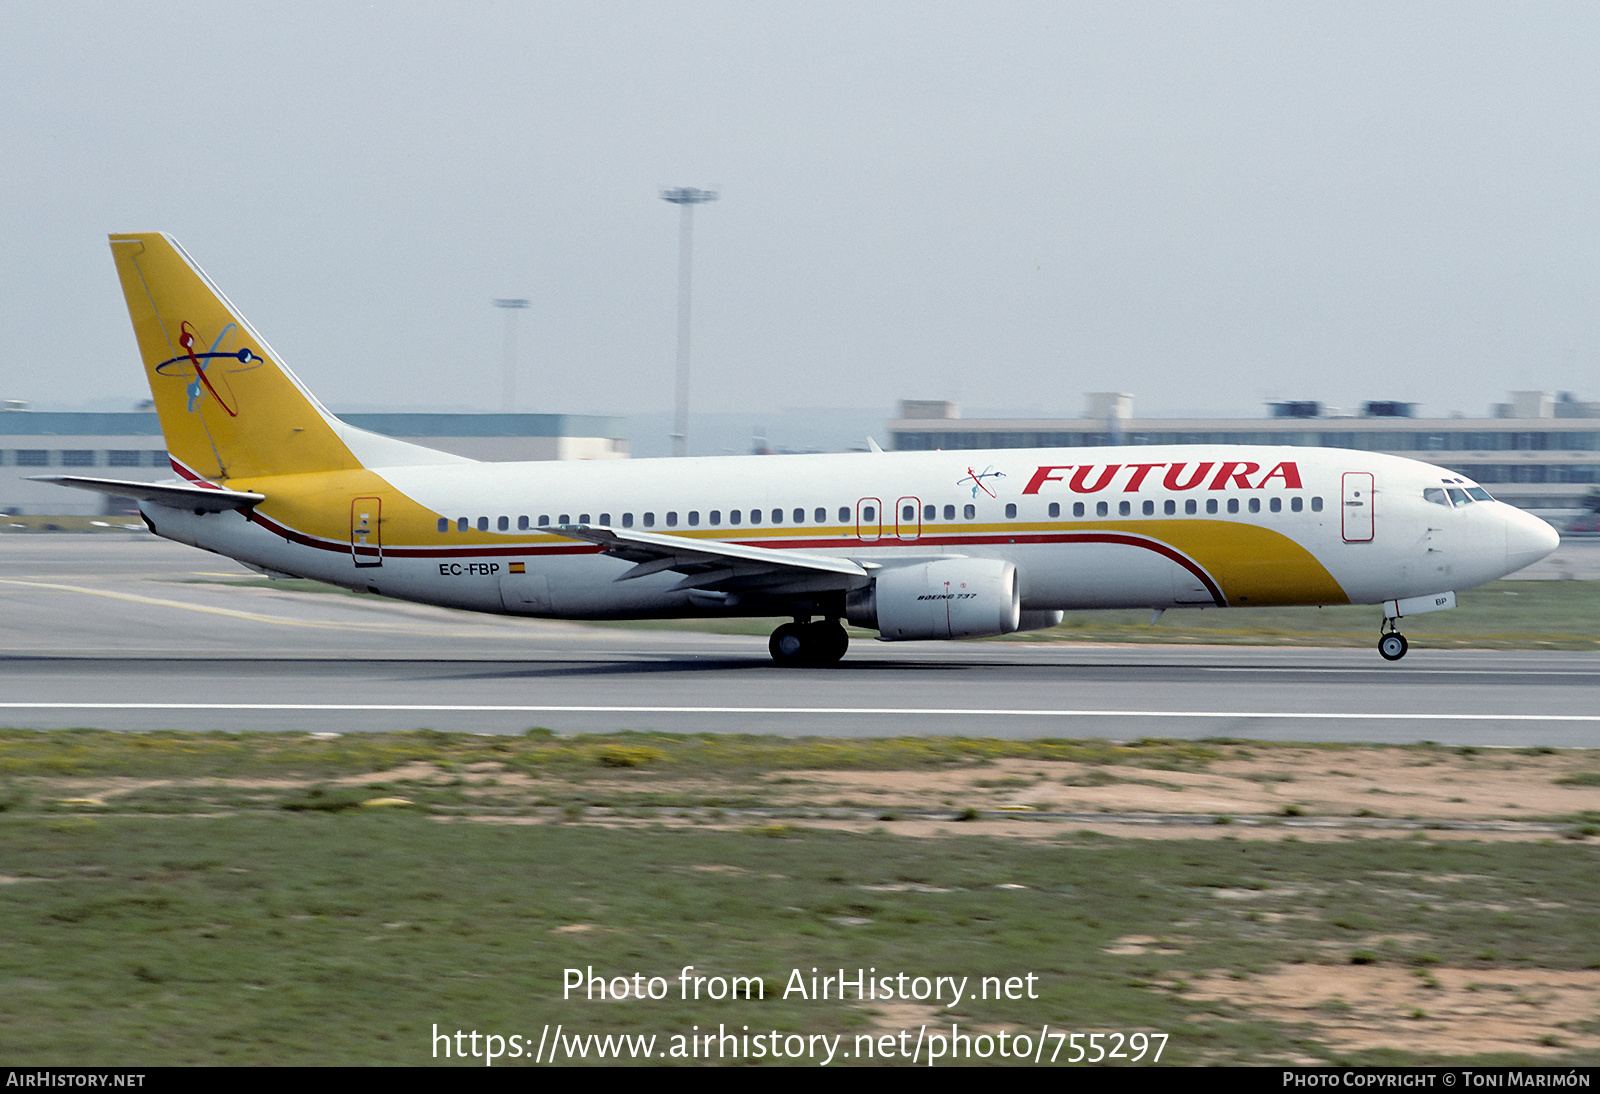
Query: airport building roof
(77, 423)
(129, 445)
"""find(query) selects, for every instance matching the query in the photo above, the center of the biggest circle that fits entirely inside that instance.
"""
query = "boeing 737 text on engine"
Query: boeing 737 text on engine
(914, 545)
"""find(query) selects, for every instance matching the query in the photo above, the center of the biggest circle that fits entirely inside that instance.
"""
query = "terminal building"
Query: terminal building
(128, 445)
(1539, 450)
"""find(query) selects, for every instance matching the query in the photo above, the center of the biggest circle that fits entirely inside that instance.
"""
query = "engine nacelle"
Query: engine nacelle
(951, 598)
(1040, 620)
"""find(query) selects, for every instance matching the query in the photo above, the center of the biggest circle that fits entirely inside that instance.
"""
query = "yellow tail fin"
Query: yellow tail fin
(228, 408)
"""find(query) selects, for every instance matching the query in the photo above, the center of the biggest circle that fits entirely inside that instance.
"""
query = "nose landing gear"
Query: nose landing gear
(1392, 645)
(814, 644)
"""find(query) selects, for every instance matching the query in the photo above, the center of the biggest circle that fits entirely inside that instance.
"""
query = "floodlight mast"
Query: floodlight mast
(685, 198)
(509, 396)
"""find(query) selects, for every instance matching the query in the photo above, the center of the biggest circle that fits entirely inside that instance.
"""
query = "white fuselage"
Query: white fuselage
(1085, 528)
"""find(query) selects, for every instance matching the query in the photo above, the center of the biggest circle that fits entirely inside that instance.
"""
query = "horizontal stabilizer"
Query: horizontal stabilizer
(210, 499)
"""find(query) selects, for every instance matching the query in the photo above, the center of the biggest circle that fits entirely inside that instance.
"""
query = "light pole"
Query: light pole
(512, 308)
(685, 198)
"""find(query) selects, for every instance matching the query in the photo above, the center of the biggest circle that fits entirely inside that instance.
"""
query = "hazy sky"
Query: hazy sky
(1206, 205)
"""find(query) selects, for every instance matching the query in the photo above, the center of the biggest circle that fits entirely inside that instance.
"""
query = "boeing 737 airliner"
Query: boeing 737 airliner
(914, 545)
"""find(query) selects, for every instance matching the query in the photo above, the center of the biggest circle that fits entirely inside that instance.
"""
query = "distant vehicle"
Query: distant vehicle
(915, 545)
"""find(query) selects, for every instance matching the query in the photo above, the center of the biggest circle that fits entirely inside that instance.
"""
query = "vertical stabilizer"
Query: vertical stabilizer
(228, 407)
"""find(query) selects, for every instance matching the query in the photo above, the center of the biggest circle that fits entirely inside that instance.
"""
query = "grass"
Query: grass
(191, 755)
(252, 906)
(344, 937)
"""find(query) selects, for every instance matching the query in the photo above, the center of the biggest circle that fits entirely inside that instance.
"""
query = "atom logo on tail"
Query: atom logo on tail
(199, 382)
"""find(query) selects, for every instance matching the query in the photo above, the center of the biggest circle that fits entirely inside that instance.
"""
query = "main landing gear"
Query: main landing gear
(1392, 645)
(820, 643)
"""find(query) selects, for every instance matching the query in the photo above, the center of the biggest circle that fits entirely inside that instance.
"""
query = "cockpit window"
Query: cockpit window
(1436, 495)
(1459, 496)
(1478, 493)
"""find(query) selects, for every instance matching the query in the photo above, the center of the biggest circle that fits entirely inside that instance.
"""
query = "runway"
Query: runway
(137, 633)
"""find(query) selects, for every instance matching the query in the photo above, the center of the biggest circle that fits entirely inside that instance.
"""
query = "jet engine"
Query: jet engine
(951, 598)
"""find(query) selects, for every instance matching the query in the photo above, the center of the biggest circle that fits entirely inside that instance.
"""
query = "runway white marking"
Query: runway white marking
(958, 712)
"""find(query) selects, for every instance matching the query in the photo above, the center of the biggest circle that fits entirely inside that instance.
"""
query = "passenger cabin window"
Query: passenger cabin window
(605, 520)
(1211, 505)
(755, 516)
(583, 518)
(1233, 505)
(1149, 508)
(522, 524)
(1190, 507)
(1297, 503)
(503, 524)
(564, 518)
(1077, 508)
(777, 516)
(869, 513)
(627, 520)
(1101, 509)
(462, 525)
(672, 520)
(544, 520)
(1011, 509)
(483, 524)
(799, 516)
(1255, 505)
(1169, 507)
(694, 517)
(649, 520)
(1124, 508)
(949, 512)
(716, 516)
(844, 514)
(444, 524)
(929, 512)
(969, 511)
(1316, 505)
(1055, 509)
(1276, 505)
(733, 516)
(820, 516)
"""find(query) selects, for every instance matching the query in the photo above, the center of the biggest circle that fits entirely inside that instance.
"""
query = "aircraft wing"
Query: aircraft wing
(710, 563)
(210, 499)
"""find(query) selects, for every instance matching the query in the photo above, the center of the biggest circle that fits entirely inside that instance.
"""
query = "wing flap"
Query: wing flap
(706, 562)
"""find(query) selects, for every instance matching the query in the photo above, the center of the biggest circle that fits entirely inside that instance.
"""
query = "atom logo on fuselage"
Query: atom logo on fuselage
(976, 479)
(206, 368)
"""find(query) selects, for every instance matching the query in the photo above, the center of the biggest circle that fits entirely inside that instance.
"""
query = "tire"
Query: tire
(790, 644)
(830, 642)
(808, 643)
(1393, 646)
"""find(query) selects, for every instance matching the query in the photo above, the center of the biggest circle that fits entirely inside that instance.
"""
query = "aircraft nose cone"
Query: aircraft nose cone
(1528, 539)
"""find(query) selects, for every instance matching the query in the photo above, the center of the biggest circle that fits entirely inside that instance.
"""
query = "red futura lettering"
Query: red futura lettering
(1081, 474)
(1234, 472)
(1170, 481)
(1288, 472)
(1140, 470)
(1044, 475)
(1238, 472)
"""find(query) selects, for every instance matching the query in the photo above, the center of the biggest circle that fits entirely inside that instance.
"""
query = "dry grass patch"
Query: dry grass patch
(1442, 1011)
